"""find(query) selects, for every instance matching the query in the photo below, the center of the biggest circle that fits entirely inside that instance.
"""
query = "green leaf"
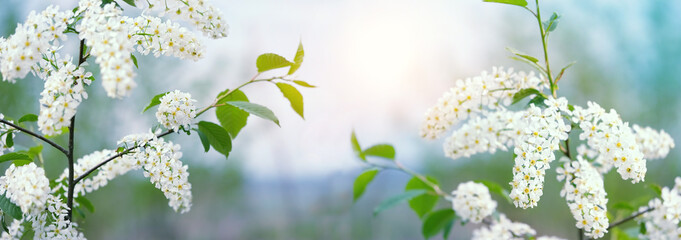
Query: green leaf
(436, 222)
(10, 208)
(269, 61)
(391, 202)
(356, 148)
(425, 202)
(381, 150)
(28, 118)
(204, 140)
(562, 71)
(297, 60)
(570, 107)
(523, 93)
(120, 149)
(232, 118)
(623, 206)
(522, 55)
(4, 225)
(14, 156)
(521, 3)
(538, 101)
(255, 109)
(21, 162)
(552, 23)
(35, 151)
(9, 140)
(642, 229)
(361, 183)
(293, 96)
(496, 189)
(130, 2)
(304, 84)
(134, 60)
(217, 136)
(448, 228)
(156, 100)
(84, 202)
(655, 188)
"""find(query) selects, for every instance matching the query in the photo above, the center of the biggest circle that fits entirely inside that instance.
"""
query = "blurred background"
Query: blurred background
(378, 66)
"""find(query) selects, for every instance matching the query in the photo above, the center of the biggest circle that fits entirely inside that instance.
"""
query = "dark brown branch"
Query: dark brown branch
(126, 151)
(29, 132)
(69, 201)
(630, 218)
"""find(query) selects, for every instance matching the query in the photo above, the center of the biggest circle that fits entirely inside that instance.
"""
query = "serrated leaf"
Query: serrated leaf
(361, 183)
(297, 60)
(293, 96)
(232, 118)
(304, 84)
(356, 148)
(403, 197)
(28, 118)
(217, 137)
(21, 162)
(255, 109)
(134, 60)
(425, 202)
(552, 23)
(269, 61)
(521, 3)
(204, 140)
(130, 2)
(9, 140)
(10, 208)
(156, 100)
(381, 150)
(436, 222)
(84, 202)
(523, 93)
(14, 156)
(496, 189)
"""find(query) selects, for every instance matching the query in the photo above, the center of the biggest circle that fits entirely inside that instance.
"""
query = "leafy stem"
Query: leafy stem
(552, 84)
(399, 167)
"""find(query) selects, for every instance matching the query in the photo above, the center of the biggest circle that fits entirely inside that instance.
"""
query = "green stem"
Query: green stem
(423, 179)
(546, 52)
(253, 80)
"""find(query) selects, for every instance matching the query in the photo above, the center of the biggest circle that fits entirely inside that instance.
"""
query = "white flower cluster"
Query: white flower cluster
(472, 202)
(161, 163)
(204, 16)
(52, 223)
(106, 173)
(113, 38)
(176, 109)
(107, 35)
(504, 229)
(496, 130)
(613, 139)
(469, 96)
(5, 129)
(27, 187)
(663, 221)
(64, 91)
(534, 149)
(40, 34)
(585, 195)
(653, 144)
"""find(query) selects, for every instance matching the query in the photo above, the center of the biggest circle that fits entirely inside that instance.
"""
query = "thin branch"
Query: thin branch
(69, 200)
(620, 222)
(126, 151)
(29, 132)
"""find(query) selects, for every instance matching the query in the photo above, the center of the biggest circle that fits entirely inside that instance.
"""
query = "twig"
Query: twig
(69, 201)
(29, 132)
(126, 151)
(630, 218)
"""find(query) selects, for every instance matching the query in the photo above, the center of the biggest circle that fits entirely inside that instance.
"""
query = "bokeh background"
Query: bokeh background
(378, 66)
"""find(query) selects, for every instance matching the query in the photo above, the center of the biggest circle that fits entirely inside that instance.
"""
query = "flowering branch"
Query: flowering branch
(29, 132)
